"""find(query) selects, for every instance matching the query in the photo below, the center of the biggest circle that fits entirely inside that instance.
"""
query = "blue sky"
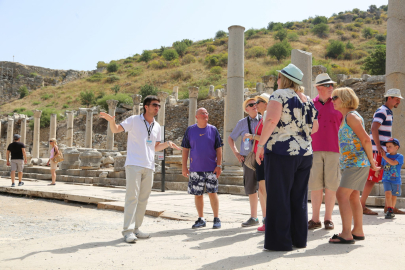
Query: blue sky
(77, 34)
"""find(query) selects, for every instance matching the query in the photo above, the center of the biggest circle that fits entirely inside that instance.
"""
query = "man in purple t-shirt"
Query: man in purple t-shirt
(204, 144)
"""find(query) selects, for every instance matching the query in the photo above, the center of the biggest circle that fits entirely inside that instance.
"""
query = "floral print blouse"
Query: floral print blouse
(292, 135)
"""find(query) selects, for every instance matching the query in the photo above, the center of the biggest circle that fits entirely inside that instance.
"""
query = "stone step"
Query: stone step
(109, 181)
(176, 159)
(170, 177)
(231, 180)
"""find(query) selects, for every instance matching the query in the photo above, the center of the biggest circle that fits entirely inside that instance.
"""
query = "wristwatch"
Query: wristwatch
(219, 166)
(260, 145)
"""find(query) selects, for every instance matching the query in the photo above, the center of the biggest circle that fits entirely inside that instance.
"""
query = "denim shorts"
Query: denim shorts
(394, 188)
(199, 180)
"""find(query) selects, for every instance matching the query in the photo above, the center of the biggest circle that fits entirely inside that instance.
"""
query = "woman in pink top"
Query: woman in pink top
(54, 165)
(261, 104)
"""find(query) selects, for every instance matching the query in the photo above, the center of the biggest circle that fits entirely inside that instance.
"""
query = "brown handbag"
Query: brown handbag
(59, 157)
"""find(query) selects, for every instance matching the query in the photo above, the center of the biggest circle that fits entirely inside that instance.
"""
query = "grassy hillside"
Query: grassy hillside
(204, 62)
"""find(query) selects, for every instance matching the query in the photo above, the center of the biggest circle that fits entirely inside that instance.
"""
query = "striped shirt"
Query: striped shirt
(384, 116)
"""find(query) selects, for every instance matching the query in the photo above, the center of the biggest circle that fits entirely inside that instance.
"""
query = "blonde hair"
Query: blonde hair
(54, 140)
(347, 96)
(287, 83)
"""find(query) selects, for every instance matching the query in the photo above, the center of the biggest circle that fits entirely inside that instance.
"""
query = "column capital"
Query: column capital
(53, 114)
(69, 112)
(162, 96)
(136, 99)
(89, 110)
(112, 103)
(9, 118)
(193, 92)
(37, 113)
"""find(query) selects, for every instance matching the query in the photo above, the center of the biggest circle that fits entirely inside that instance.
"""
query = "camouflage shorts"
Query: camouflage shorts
(198, 180)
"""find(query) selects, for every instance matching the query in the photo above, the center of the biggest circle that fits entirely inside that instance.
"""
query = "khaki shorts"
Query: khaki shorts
(54, 165)
(325, 172)
(354, 178)
(17, 165)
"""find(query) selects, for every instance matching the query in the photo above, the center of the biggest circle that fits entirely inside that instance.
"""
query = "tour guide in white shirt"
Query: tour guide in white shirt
(143, 140)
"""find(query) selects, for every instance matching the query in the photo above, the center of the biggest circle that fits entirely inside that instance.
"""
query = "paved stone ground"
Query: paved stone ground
(41, 233)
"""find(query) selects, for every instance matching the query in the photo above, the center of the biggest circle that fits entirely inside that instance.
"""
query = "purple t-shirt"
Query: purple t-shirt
(202, 143)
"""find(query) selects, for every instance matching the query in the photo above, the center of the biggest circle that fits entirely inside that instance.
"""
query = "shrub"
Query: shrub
(33, 75)
(112, 78)
(302, 32)
(280, 50)
(319, 20)
(211, 48)
(112, 67)
(321, 30)
(19, 110)
(87, 98)
(280, 34)
(355, 35)
(344, 38)
(256, 51)
(46, 96)
(121, 97)
(375, 62)
(19, 76)
(135, 72)
(128, 60)
(96, 77)
(358, 54)
(36, 103)
(313, 41)
(216, 70)
(188, 59)
(154, 55)
(101, 64)
(341, 70)
(174, 63)
(292, 36)
(65, 106)
(170, 54)
(180, 47)
(349, 45)
(116, 88)
(274, 26)
(146, 56)
(220, 34)
(178, 74)
(222, 41)
(380, 38)
(339, 32)
(157, 64)
(339, 26)
(217, 59)
(335, 48)
(23, 91)
(147, 90)
(367, 32)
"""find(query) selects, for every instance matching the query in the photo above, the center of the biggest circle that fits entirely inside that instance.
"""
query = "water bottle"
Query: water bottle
(246, 144)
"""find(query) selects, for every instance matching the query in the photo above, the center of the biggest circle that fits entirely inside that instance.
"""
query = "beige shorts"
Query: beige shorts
(54, 165)
(325, 172)
(17, 165)
(354, 178)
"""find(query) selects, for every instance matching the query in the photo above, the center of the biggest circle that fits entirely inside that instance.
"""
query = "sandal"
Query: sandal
(341, 240)
(355, 237)
(51, 184)
(367, 211)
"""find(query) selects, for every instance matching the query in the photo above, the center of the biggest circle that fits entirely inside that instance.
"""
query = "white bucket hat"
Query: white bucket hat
(393, 93)
(263, 96)
(323, 78)
(293, 73)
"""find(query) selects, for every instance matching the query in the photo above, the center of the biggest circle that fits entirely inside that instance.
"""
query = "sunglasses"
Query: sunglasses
(257, 102)
(327, 85)
(335, 98)
(155, 105)
(251, 105)
(50, 141)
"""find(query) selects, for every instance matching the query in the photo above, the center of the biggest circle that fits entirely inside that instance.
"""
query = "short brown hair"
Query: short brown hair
(148, 100)
(287, 83)
(348, 97)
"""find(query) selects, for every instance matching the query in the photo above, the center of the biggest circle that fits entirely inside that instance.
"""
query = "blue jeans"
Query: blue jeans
(394, 188)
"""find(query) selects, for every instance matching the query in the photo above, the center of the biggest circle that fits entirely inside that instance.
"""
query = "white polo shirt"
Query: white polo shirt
(138, 152)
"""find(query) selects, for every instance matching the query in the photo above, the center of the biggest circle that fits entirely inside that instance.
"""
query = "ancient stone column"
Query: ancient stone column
(162, 111)
(395, 65)
(23, 129)
(234, 96)
(10, 131)
(211, 91)
(303, 60)
(192, 107)
(37, 123)
(112, 105)
(137, 99)
(259, 87)
(89, 129)
(176, 92)
(69, 132)
(52, 128)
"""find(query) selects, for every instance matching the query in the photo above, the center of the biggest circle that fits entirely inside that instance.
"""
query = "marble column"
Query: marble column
(112, 105)
(192, 107)
(234, 96)
(52, 128)
(69, 132)
(162, 111)
(10, 131)
(211, 91)
(23, 129)
(395, 65)
(89, 129)
(259, 87)
(137, 99)
(176, 92)
(303, 60)
(37, 123)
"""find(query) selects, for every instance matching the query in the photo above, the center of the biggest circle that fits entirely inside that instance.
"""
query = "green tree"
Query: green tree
(280, 50)
(161, 50)
(146, 56)
(367, 32)
(281, 34)
(180, 47)
(23, 91)
(274, 26)
(148, 89)
(220, 34)
(170, 54)
(87, 98)
(335, 48)
(321, 30)
(112, 67)
(375, 62)
(319, 19)
(101, 64)
(349, 45)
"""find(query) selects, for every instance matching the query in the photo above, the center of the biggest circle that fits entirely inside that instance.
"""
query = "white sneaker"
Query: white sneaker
(130, 238)
(141, 235)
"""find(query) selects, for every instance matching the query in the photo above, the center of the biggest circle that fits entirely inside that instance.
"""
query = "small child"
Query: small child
(392, 163)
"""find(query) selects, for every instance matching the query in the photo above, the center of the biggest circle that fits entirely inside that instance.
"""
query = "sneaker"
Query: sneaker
(13, 185)
(20, 183)
(130, 238)
(314, 225)
(389, 215)
(264, 221)
(199, 224)
(262, 228)
(141, 235)
(217, 223)
(251, 222)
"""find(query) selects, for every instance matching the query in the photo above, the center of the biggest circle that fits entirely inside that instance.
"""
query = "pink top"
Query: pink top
(52, 152)
(258, 131)
(329, 119)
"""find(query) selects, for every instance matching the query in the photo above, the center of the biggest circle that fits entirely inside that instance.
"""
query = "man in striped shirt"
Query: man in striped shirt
(381, 132)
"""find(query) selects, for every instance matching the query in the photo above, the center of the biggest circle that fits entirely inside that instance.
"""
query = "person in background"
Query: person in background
(16, 150)
(54, 165)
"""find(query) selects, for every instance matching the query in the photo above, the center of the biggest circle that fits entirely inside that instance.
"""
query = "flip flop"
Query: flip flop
(342, 240)
(355, 237)
(51, 184)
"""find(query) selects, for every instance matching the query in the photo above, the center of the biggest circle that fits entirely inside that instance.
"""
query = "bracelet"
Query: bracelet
(260, 145)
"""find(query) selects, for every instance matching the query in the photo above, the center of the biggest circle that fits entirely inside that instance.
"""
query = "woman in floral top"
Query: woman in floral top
(291, 119)
(356, 157)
